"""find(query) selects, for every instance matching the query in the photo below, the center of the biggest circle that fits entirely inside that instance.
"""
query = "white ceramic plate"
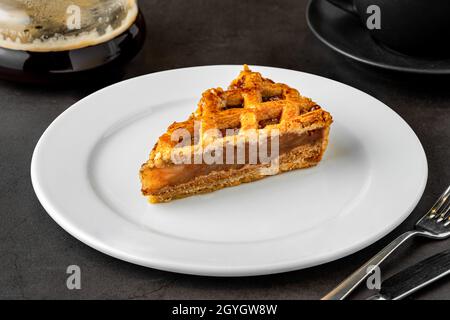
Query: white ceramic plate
(85, 173)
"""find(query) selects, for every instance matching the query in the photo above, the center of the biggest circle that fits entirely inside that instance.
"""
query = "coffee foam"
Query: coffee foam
(41, 26)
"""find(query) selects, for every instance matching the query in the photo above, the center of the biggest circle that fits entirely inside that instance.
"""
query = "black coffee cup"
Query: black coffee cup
(413, 27)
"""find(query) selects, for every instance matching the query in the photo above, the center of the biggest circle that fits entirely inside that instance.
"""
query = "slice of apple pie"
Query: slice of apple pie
(254, 129)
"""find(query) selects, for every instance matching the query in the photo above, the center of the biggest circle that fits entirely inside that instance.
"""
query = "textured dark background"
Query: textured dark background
(35, 251)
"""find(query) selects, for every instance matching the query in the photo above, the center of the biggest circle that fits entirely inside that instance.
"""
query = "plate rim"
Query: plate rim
(207, 270)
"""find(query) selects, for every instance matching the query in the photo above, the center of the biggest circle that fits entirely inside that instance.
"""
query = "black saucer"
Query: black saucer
(345, 34)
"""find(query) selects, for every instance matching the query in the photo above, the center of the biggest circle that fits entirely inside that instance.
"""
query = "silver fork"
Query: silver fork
(435, 224)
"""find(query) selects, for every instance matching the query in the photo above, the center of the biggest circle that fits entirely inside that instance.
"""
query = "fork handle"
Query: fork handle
(349, 284)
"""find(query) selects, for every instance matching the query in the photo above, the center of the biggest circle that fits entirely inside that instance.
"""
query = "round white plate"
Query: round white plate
(85, 173)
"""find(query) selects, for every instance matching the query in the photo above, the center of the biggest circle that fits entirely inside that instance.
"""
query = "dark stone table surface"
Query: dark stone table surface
(35, 251)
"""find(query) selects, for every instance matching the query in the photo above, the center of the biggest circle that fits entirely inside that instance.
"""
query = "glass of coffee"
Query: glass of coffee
(48, 39)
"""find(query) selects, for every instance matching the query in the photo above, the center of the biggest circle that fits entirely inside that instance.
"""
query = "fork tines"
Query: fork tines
(441, 208)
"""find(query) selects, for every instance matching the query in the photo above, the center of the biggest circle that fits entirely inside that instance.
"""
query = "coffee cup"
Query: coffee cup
(412, 27)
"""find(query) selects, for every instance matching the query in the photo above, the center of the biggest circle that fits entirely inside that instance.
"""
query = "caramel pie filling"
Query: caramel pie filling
(154, 179)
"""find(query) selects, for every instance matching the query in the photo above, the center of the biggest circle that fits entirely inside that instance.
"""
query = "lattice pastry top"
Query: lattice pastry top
(251, 103)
